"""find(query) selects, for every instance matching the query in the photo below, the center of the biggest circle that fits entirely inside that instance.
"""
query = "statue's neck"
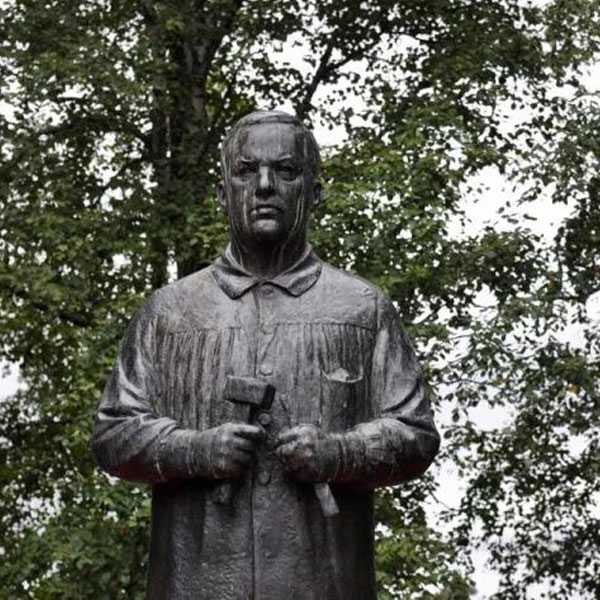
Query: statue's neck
(267, 260)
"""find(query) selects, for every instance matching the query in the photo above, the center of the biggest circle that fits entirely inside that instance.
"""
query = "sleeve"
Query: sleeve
(130, 440)
(402, 441)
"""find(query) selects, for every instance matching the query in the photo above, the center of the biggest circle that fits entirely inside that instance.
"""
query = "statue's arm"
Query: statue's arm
(399, 443)
(131, 441)
(402, 441)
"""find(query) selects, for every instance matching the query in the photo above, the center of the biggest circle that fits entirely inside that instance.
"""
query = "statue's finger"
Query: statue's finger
(287, 436)
(286, 451)
(245, 445)
(249, 432)
(242, 458)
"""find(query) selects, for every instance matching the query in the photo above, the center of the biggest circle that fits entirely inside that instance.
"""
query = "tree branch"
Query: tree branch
(323, 70)
(96, 122)
(225, 28)
(124, 167)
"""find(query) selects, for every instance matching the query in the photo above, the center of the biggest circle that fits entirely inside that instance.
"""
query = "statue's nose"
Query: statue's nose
(265, 181)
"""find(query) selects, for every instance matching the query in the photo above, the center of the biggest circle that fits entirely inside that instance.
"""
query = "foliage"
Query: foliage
(113, 114)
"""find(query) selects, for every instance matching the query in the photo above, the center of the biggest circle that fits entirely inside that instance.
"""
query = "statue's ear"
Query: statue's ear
(222, 196)
(318, 195)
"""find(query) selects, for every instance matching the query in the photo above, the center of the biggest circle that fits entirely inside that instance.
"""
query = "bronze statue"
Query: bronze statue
(265, 398)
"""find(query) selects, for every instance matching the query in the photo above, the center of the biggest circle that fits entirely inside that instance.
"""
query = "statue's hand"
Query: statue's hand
(226, 451)
(308, 454)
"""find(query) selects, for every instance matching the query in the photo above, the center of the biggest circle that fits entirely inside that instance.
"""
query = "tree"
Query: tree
(114, 112)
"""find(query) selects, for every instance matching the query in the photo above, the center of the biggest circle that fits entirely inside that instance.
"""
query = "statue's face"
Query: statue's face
(269, 193)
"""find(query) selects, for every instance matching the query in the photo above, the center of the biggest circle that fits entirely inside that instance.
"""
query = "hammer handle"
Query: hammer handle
(223, 493)
(329, 506)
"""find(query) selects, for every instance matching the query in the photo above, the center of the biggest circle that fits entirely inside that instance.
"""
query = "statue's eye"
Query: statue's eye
(287, 171)
(244, 169)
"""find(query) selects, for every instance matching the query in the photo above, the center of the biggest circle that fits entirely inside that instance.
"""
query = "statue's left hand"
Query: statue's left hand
(307, 453)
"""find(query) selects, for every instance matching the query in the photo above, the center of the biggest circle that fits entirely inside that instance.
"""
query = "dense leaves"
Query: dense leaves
(112, 115)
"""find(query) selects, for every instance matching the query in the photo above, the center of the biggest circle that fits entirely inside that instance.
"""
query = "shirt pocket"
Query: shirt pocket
(342, 397)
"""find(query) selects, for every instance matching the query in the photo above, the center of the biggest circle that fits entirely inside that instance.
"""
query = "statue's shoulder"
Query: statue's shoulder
(175, 298)
(357, 297)
(349, 296)
(349, 283)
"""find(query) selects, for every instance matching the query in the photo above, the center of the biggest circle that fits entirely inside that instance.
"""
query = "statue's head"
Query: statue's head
(270, 164)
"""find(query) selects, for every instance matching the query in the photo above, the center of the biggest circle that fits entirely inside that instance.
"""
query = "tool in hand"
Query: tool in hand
(327, 500)
(249, 395)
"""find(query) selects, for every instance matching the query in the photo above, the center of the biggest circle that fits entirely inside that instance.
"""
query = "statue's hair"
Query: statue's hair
(311, 149)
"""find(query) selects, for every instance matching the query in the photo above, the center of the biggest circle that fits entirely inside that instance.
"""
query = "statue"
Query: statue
(265, 398)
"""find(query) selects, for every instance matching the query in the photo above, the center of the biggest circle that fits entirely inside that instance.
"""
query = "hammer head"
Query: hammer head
(250, 391)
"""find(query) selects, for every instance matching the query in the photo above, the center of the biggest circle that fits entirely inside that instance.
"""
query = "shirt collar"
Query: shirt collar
(235, 281)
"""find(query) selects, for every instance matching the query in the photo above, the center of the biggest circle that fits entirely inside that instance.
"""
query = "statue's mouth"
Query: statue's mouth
(265, 210)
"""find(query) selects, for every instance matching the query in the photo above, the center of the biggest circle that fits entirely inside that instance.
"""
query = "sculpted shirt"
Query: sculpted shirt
(332, 346)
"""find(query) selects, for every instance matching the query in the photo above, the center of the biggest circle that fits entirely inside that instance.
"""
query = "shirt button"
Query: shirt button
(267, 291)
(264, 477)
(266, 369)
(264, 419)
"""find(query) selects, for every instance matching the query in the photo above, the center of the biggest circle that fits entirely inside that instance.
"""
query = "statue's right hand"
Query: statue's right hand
(229, 449)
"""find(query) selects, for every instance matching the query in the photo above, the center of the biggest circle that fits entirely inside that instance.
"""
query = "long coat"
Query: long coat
(332, 346)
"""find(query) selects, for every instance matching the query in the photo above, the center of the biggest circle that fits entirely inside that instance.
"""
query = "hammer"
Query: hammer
(248, 395)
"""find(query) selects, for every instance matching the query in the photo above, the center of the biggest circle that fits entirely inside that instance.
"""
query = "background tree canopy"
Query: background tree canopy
(113, 112)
